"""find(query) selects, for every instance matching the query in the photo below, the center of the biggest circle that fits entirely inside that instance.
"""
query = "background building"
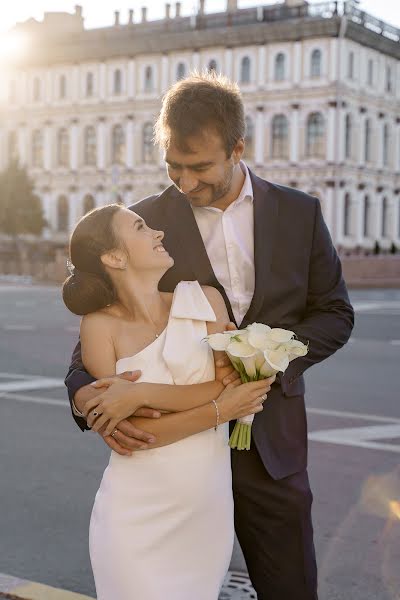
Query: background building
(321, 86)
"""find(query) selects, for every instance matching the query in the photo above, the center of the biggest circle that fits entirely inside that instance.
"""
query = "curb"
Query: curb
(30, 590)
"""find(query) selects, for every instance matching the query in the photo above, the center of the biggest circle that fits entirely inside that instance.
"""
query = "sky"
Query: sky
(101, 14)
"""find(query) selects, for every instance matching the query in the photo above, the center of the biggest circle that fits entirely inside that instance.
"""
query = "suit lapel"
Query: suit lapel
(265, 228)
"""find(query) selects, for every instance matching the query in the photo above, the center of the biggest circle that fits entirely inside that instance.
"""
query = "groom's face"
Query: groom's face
(202, 171)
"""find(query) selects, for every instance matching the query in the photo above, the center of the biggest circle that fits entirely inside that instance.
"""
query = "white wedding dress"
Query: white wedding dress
(162, 522)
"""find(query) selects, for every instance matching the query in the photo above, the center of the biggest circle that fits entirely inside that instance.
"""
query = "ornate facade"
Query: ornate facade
(321, 87)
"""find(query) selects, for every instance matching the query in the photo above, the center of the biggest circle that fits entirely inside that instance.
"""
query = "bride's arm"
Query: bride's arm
(97, 346)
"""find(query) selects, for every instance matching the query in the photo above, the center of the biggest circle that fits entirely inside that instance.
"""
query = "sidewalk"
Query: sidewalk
(13, 588)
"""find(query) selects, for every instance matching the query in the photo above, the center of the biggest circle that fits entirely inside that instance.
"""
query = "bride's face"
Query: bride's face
(142, 246)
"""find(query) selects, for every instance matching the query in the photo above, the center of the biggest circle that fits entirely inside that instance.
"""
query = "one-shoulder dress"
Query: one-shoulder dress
(162, 522)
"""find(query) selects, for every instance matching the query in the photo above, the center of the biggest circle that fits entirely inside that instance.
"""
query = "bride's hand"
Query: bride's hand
(224, 371)
(120, 400)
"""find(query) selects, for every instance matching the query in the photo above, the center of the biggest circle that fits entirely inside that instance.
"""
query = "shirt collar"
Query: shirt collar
(247, 189)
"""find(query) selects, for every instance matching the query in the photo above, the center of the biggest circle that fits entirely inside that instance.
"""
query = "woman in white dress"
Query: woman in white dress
(162, 522)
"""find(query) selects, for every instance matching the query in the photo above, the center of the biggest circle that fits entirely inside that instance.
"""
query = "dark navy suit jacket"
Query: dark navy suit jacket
(298, 286)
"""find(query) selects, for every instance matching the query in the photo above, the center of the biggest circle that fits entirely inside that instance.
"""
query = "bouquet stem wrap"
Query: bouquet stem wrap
(257, 352)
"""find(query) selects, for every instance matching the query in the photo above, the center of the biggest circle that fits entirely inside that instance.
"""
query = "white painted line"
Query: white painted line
(352, 415)
(362, 306)
(31, 384)
(34, 400)
(395, 342)
(72, 329)
(362, 437)
(20, 327)
(17, 376)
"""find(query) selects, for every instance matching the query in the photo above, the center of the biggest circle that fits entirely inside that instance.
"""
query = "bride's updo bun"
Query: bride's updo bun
(89, 288)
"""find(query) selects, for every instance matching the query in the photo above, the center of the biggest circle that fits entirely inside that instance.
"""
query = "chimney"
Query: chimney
(167, 11)
(130, 22)
(144, 14)
(202, 7)
(231, 6)
(78, 10)
(178, 10)
(116, 17)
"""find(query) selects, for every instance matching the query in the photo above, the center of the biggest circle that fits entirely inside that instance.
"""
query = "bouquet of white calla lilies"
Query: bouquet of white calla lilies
(257, 352)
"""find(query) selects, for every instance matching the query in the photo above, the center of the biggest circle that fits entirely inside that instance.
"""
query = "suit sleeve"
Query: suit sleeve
(329, 317)
(76, 378)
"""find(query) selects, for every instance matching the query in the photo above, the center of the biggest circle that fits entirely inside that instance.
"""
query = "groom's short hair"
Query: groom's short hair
(199, 102)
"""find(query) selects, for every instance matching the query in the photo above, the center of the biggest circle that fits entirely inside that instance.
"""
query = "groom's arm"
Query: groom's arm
(76, 378)
(329, 317)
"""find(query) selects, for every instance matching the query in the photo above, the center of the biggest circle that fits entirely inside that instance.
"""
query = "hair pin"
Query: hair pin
(70, 267)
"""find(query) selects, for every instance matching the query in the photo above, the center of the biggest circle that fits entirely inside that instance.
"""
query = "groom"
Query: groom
(266, 248)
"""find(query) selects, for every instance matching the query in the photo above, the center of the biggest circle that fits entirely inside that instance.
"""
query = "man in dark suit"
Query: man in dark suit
(266, 248)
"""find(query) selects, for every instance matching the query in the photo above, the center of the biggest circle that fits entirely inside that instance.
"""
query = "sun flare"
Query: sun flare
(12, 45)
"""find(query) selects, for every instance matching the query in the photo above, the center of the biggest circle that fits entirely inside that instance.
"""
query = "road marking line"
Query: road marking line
(34, 399)
(363, 437)
(31, 384)
(19, 327)
(362, 306)
(72, 329)
(17, 376)
(355, 443)
(395, 342)
(352, 415)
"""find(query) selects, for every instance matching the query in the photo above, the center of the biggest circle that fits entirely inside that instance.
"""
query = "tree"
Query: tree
(20, 209)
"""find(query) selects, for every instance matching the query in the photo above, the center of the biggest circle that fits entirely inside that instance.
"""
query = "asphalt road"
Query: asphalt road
(50, 471)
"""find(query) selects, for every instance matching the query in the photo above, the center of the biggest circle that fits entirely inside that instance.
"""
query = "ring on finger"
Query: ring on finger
(263, 397)
(114, 432)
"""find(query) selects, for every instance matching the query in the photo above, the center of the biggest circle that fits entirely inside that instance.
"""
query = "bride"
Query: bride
(162, 521)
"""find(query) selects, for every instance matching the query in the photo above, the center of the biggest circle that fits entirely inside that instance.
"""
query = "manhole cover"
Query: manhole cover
(237, 586)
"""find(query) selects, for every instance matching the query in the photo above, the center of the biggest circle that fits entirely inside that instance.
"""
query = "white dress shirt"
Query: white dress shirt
(228, 237)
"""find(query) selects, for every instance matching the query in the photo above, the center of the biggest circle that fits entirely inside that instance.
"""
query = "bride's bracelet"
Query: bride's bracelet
(217, 410)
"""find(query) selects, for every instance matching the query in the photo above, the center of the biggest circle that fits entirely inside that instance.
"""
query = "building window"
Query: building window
(212, 66)
(62, 214)
(62, 87)
(118, 145)
(12, 91)
(348, 136)
(37, 90)
(347, 216)
(316, 59)
(315, 136)
(385, 149)
(385, 218)
(148, 146)
(180, 71)
(370, 72)
(367, 142)
(280, 137)
(37, 149)
(117, 82)
(367, 217)
(12, 146)
(279, 70)
(245, 70)
(148, 80)
(249, 139)
(88, 203)
(89, 85)
(388, 80)
(350, 65)
(63, 148)
(89, 146)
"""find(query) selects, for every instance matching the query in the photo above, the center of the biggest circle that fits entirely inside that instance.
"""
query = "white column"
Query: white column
(396, 217)
(396, 144)
(76, 84)
(357, 216)
(48, 147)
(329, 196)
(74, 148)
(101, 144)
(130, 153)
(294, 134)
(74, 211)
(339, 215)
(196, 60)
(333, 63)
(228, 62)
(361, 139)
(297, 63)
(331, 139)
(379, 142)
(261, 66)
(131, 83)
(259, 137)
(48, 85)
(164, 73)
(340, 133)
(103, 81)
(377, 216)
(22, 144)
(48, 213)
